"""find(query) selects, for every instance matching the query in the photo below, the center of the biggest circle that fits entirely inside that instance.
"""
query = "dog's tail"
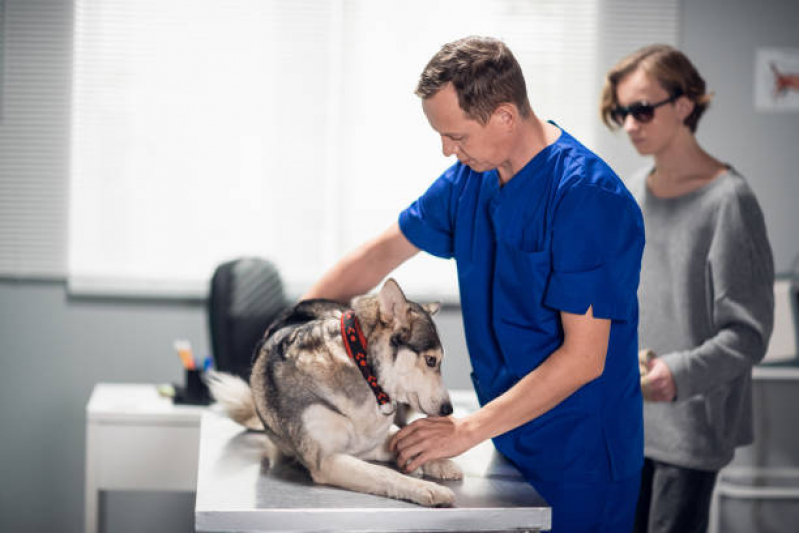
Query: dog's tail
(235, 396)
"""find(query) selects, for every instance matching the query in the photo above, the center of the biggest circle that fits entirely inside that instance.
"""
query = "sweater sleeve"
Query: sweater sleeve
(741, 272)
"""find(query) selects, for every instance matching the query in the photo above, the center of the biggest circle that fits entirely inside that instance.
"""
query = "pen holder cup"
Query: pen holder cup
(195, 391)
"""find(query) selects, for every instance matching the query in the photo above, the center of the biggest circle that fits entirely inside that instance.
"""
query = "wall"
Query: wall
(721, 37)
(53, 350)
(762, 146)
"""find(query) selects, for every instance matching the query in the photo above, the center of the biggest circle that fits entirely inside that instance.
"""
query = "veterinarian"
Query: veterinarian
(706, 293)
(548, 245)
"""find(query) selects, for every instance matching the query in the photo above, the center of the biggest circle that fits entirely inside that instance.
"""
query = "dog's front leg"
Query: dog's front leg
(381, 452)
(352, 473)
(444, 469)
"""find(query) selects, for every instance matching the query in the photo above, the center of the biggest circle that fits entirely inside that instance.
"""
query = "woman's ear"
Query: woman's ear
(685, 106)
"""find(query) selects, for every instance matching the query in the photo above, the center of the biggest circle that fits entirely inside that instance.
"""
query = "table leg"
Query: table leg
(91, 494)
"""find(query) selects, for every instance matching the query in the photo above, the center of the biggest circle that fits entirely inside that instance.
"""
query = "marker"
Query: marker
(184, 352)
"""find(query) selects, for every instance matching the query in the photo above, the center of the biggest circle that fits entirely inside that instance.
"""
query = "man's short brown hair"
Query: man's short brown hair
(670, 68)
(484, 74)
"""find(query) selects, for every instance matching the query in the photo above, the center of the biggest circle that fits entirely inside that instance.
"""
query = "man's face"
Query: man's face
(480, 147)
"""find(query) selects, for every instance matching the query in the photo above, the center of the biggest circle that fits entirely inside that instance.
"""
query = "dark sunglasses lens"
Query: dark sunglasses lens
(642, 112)
(618, 116)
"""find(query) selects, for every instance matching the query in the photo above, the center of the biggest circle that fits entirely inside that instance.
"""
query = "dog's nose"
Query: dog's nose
(446, 409)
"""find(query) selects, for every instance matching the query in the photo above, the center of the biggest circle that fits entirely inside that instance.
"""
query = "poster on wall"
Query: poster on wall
(777, 80)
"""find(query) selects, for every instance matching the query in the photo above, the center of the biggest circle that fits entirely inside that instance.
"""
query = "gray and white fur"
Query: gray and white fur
(314, 404)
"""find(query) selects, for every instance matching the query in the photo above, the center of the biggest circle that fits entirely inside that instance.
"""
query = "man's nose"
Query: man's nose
(447, 146)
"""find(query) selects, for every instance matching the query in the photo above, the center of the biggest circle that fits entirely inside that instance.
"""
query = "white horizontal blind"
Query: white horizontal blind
(209, 129)
(35, 52)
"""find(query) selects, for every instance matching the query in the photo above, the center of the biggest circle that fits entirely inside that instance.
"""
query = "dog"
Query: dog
(329, 381)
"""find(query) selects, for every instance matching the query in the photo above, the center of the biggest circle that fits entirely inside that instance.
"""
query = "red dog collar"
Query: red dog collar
(356, 348)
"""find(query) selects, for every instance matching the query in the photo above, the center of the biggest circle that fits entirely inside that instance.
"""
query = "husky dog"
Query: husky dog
(317, 400)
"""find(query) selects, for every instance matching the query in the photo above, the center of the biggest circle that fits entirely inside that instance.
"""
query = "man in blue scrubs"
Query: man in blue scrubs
(548, 245)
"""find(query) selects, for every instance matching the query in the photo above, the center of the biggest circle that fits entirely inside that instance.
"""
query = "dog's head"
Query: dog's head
(408, 360)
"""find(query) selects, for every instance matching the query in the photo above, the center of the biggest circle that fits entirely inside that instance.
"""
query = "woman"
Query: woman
(706, 290)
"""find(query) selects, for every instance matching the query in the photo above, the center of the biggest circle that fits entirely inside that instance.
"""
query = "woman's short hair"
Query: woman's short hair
(483, 72)
(673, 71)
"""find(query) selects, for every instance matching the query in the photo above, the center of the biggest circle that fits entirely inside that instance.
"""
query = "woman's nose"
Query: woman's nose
(630, 124)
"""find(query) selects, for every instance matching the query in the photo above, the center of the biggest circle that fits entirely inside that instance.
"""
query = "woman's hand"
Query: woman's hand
(427, 439)
(658, 383)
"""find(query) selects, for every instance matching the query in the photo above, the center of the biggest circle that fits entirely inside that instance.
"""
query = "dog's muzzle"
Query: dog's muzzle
(446, 409)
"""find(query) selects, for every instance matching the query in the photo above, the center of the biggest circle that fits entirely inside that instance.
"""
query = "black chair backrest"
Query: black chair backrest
(246, 295)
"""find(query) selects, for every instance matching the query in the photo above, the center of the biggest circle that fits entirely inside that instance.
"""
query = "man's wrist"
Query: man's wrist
(474, 429)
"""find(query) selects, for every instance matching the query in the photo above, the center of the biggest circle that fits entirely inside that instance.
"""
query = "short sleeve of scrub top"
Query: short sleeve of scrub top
(594, 255)
(428, 222)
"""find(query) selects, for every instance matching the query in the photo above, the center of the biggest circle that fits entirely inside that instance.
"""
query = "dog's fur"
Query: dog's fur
(314, 404)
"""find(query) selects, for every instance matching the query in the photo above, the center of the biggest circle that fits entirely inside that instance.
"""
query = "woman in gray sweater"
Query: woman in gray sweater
(706, 291)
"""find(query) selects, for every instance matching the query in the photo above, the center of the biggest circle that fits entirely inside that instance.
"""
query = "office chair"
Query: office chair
(246, 295)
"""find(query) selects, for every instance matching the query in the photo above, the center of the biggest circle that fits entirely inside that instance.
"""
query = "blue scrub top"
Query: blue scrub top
(563, 234)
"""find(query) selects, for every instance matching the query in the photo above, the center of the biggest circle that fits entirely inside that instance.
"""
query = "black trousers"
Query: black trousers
(673, 499)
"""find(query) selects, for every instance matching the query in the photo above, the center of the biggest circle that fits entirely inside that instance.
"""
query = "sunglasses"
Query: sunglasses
(641, 111)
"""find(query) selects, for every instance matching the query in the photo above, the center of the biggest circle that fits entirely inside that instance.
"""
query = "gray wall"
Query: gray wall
(53, 348)
(721, 37)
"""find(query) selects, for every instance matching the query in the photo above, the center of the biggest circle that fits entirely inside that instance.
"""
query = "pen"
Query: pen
(207, 363)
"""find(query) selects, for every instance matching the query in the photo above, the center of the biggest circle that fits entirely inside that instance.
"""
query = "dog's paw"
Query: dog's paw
(418, 473)
(434, 495)
(443, 469)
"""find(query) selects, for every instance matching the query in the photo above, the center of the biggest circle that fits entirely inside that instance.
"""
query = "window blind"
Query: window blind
(207, 129)
(35, 52)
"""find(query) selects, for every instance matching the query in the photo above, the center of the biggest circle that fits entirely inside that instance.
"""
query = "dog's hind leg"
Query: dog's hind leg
(352, 473)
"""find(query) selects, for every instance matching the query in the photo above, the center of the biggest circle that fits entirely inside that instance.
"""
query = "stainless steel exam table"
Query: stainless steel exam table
(238, 491)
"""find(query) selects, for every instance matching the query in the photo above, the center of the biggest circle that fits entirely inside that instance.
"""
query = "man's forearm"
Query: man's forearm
(539, 391)
(348, 278)
(363, 268)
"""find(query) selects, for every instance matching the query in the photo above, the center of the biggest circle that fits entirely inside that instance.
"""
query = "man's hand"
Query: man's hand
(426, 439)
(657, 385)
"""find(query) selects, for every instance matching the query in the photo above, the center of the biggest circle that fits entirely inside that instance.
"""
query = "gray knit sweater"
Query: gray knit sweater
(707, 307)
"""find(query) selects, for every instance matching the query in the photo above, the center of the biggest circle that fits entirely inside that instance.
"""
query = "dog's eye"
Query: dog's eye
(431, 361)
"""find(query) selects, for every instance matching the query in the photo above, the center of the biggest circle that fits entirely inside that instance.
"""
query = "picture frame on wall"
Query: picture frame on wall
(777, 80)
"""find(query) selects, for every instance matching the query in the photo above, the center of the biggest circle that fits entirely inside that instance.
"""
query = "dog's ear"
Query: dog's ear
(432, 308)
(393, 305)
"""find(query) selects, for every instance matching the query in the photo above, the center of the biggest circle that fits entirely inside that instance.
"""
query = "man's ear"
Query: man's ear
(432, 308)
(393, 304)
(506, 115)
